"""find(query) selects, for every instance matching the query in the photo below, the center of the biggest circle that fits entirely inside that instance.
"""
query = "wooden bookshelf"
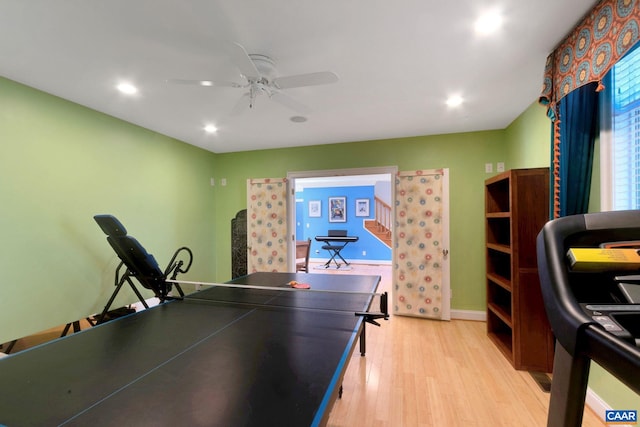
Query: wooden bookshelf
(516, 208)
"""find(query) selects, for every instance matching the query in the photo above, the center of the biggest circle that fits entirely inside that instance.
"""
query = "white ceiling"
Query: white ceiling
(397, 62)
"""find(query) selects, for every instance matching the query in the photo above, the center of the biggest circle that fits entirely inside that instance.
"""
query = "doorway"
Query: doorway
(351, 204)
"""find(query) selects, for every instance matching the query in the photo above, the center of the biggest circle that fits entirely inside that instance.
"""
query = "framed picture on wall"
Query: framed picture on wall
(337, 209)
(315, 209)
(362, 207)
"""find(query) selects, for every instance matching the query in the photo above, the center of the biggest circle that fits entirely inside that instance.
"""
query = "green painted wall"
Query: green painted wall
(529, 139)
(61, 164)
(464, 155)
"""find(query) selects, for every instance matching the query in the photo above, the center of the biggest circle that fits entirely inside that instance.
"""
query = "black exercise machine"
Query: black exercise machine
(141, 265)
(588, 312)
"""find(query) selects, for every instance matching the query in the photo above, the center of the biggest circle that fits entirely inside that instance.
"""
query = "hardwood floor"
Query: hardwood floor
(424, 373)
(420, 373)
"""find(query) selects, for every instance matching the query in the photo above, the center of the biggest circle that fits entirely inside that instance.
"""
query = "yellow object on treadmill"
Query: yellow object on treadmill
(602, 259)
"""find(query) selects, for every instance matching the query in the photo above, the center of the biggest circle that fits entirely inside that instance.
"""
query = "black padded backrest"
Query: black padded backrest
(110, 225)
(337, 233)
(135, 257)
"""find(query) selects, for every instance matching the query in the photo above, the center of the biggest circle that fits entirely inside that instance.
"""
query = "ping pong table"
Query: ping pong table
(219, 357)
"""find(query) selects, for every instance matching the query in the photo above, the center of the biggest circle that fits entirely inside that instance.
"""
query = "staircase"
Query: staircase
(381, 225)
(381, 232)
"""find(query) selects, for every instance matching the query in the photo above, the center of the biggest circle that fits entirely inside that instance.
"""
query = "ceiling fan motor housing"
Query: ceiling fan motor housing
(264, 65)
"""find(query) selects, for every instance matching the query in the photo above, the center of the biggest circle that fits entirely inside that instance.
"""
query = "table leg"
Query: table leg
(363, 339)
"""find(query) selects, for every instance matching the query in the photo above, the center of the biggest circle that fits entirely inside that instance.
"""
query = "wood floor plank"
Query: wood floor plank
(427, 373)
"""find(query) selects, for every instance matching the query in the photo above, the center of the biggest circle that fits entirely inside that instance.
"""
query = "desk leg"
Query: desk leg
(568, 389)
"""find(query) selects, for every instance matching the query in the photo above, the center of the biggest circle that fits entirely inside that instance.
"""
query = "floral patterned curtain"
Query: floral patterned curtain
(419, 255)
(591, 49)
(267, 225)
(585, 56)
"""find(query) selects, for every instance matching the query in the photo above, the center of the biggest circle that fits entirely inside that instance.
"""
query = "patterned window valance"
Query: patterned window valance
(591, 49)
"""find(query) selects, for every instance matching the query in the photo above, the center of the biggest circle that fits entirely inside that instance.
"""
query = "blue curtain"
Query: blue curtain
(578, 128)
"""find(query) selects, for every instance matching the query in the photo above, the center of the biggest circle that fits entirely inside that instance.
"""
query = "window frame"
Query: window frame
(606, 146)
(607, 138)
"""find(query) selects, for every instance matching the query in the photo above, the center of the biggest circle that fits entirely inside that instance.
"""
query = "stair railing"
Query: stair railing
(383, 216)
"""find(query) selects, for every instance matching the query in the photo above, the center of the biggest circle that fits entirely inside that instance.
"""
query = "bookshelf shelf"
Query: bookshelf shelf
(504, 282)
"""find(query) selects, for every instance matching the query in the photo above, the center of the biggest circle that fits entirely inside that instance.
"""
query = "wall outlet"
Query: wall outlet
(364, 253)
(223, 181)
(500, 167)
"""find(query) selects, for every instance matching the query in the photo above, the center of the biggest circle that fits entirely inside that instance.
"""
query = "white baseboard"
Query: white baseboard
(480, 316)
(596, 403)
(599, 406)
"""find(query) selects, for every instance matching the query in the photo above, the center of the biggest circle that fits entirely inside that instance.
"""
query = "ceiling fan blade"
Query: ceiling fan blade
(241, 105)
(205, 83)
(242, 61)
(290, 103)
(300, 80)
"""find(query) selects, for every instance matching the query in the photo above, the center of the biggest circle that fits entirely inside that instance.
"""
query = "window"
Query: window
(620, 135)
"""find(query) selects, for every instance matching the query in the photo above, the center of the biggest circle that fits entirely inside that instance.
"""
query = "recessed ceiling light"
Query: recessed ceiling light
(298, 119)
(127, 88)
(488, 23)
(210, 129)
(454, 101)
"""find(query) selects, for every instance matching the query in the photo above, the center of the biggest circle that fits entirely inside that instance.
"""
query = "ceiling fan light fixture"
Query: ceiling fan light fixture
(210, 128)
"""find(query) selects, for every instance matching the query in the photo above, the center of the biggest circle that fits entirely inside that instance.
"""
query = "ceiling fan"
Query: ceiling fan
(260, 78)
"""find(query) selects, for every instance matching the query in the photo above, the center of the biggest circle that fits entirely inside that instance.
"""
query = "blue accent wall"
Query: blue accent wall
(312, 227)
